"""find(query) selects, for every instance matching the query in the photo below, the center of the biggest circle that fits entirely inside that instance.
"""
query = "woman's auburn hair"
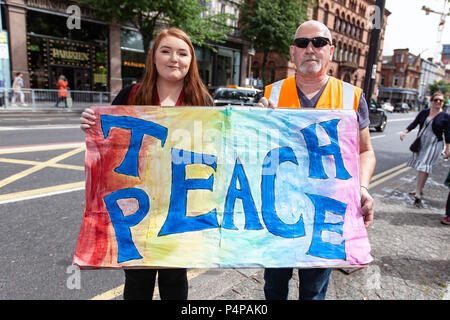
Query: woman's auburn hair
(195, 92)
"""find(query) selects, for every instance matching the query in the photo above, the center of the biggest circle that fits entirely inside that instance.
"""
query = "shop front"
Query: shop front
(52, 54)
(399, 95)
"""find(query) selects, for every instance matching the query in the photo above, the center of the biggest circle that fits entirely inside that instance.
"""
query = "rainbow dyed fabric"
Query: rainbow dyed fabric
(232, 187)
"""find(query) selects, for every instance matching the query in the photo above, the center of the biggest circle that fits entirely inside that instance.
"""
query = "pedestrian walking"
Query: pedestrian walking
(17, 90)
(312, 87)
(434, 135)
(171, 79)
(63, 92)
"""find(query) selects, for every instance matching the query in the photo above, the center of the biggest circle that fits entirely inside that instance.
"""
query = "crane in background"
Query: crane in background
(443, 16)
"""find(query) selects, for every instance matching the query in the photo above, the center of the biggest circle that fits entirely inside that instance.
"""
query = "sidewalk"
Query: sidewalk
(410, 248)
(46, 108)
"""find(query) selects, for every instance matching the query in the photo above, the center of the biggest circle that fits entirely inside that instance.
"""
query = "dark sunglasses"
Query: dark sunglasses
(318, 42)
(438, 100)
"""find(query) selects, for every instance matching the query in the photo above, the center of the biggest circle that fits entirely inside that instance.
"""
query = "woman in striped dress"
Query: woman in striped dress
(434, 127)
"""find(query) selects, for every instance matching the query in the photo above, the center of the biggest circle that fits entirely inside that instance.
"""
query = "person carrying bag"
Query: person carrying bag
(416, 145)
(434, 135)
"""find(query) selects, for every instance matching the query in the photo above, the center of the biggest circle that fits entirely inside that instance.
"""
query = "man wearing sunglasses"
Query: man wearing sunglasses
(312, 87)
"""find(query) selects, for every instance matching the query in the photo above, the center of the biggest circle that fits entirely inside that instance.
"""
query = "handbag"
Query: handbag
(416, 145)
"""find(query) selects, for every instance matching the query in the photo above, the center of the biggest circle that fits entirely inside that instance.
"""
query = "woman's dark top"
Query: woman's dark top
(122, 97)
(440, 125)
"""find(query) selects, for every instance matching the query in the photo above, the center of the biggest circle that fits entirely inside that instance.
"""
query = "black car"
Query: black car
(224, 96)
(377, 116)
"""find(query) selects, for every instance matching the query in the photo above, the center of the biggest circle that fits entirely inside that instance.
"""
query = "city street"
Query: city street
(41, 205)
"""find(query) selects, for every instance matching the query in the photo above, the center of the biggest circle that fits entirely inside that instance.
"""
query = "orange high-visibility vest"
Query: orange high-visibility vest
(336, 95)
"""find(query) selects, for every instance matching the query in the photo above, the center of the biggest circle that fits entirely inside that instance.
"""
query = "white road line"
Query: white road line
(376, 137)
(41, 127)
(41, 147)
(49, 194)
(402, 119)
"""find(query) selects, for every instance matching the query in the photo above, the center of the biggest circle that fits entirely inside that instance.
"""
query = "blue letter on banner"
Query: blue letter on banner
(273, 223)
(316, 152)
(138, 127)
(244, 193)
(122, 224)
(177, 221)
(318, 247)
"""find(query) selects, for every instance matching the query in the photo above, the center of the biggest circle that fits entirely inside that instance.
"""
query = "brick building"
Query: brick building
(400, 78)
(349, 23)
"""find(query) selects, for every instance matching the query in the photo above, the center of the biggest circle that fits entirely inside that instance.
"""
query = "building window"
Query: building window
(336, 52)
(133, 56)
(316, 10)
(205, 64)
(228, 67)
(396, 80)
(255, 70)
(325, 15)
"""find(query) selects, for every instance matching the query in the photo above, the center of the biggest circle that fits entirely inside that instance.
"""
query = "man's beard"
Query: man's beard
(310, 67)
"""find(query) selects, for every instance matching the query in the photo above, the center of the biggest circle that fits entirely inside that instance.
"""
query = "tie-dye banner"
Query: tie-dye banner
(222, 188)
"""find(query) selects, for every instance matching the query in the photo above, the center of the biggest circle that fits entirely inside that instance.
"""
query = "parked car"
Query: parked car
(224, 96)
(377, 116)
(401, 107)
(388, 107)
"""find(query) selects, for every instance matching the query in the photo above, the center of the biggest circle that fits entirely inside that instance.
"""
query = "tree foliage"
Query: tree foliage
(145, 15)
(441, 86)
(270, 25)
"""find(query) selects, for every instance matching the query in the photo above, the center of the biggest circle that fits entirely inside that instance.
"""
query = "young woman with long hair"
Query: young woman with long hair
(171, 79)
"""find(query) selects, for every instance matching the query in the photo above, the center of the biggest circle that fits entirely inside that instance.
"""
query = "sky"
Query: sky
(408, 26)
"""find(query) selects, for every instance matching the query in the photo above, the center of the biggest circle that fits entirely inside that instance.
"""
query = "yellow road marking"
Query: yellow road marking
(40, 166)
(118, 291)
(388, 174)
(388, 171)
(110, 294)
(40, 192)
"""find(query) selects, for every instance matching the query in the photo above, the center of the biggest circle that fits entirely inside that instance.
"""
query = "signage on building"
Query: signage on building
(69, 53)
(134, 64)
(4, 52)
